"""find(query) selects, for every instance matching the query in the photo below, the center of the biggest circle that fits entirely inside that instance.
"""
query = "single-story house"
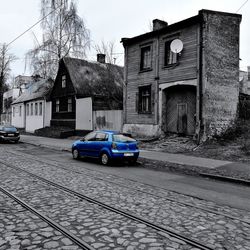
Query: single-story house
(32, 109)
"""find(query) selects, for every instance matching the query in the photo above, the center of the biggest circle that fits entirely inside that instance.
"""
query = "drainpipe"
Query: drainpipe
(44, 106)
(200, 85)
(156, 100)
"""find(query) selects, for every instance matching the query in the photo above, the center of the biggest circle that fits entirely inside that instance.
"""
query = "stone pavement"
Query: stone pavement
(237, 172)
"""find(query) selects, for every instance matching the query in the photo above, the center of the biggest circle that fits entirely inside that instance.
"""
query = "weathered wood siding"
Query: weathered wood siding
(62, 94)
(134, 78)
(187, 63)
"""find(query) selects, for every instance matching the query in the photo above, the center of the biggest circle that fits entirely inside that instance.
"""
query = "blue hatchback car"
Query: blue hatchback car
(107, 146)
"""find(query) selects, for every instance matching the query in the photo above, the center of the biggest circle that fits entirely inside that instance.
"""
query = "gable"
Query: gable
(58, 90)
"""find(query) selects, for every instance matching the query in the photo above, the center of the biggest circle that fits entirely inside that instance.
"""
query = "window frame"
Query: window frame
(70, 104)
(27, 109)
(40, 109)
(20, 110)
(36, 108)
(57, 106)
(64, 81)
(143, 50)
(145, 99)
(170, 58)
(31, 109)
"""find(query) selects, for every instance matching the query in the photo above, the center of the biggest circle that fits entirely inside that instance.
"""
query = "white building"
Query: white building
(32, 110)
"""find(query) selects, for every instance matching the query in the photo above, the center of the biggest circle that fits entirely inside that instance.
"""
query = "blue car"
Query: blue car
(106, 146)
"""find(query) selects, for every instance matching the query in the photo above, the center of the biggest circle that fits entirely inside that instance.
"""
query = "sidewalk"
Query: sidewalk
(233, 171)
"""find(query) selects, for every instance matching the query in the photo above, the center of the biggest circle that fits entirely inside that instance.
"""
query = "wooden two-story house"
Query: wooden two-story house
(191, 89)
(82, 87)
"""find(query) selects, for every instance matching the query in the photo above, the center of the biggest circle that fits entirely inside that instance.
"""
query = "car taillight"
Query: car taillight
(114, 146)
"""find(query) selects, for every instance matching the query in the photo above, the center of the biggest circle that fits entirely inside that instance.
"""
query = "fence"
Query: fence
(107, 119)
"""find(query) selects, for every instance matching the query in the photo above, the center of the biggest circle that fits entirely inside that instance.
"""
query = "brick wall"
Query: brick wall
(220, 79)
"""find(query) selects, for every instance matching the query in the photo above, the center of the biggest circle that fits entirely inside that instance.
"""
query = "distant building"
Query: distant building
(20, 84)
(194, 91)
(32, 109)
(8, 97)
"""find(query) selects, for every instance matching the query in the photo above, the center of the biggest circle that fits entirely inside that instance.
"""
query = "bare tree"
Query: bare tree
(106, 48)
(5, 60)
(64, 34)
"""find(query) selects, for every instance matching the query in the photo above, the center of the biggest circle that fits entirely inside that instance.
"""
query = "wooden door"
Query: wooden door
(180, 108)
(182, 118)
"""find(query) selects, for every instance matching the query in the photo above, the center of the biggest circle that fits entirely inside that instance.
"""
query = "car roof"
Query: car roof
(108, 131)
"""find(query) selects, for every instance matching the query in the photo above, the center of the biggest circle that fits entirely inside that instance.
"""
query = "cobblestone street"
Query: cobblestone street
(213, 225)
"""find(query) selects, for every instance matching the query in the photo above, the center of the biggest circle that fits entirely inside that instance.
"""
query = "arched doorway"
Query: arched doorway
(179, 109)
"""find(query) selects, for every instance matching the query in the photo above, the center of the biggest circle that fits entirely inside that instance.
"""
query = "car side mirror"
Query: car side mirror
(83, 139)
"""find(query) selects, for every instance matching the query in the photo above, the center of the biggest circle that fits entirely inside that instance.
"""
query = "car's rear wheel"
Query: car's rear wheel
(104, 159)
(75, 154)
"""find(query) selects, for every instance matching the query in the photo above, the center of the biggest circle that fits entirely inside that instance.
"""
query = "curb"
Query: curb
(226, 178)
(203, 175)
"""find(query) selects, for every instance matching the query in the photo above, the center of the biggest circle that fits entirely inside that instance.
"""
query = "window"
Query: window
(69, 104)
(36, 108)
(144, 105)
(169, 57)
(31, 109)
(90, 137)
(20, 110)
(27, 110)
(57, 105)
(101, 137)
(63, 81)
(145, 58)
(40, 108)
(14, 110)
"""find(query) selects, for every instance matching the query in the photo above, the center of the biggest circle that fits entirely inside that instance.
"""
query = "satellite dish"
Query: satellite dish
(176, 46)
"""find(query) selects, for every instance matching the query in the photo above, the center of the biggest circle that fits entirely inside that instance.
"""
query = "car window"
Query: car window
(101, 137)
(90, 137)
(1, 127)
(122, 138)
(10, 129)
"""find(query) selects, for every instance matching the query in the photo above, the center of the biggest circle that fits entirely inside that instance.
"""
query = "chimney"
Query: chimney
(248, 73)
(101, 58)
(159, 24)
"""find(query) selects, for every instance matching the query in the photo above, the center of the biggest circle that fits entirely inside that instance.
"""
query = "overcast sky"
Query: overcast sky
(110, 20)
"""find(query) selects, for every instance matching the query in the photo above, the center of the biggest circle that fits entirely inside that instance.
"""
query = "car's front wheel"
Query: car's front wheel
(104, 159)
(75, 154)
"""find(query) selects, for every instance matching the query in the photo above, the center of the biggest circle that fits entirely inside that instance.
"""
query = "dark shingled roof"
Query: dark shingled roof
(36, 90)
(94, 78)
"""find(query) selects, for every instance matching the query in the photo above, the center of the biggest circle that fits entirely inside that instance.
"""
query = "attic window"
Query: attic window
(63, 81)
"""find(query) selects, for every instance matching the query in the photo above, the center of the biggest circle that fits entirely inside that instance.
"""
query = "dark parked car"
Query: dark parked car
(107, 146)
(9, 133)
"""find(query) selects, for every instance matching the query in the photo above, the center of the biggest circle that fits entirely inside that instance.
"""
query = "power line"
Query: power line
(33, 25)
(242, 6)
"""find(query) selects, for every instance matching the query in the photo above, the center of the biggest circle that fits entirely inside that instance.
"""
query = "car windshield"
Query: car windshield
(122, 138)
(10, 129)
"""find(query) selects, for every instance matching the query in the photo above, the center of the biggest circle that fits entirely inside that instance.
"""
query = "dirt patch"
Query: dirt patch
(234, 145)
